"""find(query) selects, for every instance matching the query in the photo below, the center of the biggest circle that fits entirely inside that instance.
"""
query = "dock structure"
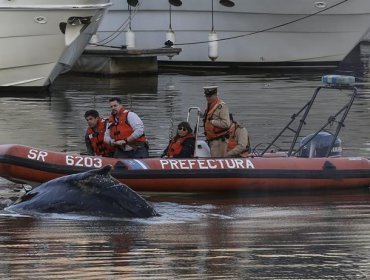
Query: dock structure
(121, 61)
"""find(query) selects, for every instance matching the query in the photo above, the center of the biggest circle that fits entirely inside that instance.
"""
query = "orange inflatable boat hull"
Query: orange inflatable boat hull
(30, 165)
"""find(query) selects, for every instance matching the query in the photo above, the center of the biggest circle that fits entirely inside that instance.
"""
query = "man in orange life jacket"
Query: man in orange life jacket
(216, 122)
(125, 132)
(94, 137)
(239, 143)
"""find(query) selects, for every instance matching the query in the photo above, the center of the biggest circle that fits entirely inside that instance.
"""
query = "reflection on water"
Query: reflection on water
(274, 236)
(289, 237)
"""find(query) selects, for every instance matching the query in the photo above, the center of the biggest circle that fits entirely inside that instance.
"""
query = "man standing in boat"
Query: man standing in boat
(94, 137)
(125, 132)
(216, 122)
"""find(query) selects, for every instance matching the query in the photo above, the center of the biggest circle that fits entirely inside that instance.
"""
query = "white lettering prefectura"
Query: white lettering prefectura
(206, 164)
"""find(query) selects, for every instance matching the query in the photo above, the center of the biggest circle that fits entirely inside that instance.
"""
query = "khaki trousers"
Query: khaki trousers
(218, 147)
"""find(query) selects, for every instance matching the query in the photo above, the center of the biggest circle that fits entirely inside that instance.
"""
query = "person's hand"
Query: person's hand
(119, 143)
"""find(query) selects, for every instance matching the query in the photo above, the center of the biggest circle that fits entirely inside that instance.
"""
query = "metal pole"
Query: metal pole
(170, 17)
(213, 28)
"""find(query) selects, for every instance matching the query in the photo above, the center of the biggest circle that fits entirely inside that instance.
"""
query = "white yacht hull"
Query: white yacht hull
(271, 31)
(37, 42)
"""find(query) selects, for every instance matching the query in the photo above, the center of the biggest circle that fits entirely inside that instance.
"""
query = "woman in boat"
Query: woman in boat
(182, 145)
(239, 143)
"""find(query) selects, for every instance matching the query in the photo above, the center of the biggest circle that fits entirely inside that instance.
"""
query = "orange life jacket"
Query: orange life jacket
(176, 145)
(213, 132)
(232, 141)
(97, 139)
(122, 129)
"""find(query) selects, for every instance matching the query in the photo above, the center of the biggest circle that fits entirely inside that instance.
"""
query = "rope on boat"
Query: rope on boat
(118, 31)
(122, 28)
(266, 29)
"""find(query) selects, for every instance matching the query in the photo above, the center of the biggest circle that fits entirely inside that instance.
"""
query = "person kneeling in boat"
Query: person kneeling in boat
(183, 144)
(125, 132)
(239, 142)
(94, 137)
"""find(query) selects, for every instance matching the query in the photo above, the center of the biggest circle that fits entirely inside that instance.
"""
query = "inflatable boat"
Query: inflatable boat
(315, 163)
(33, 166)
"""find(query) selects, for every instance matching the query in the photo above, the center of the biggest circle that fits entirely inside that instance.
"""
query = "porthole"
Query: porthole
(320, 5)
(40, 19)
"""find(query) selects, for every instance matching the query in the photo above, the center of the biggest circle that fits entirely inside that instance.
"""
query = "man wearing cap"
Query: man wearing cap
(216, 122)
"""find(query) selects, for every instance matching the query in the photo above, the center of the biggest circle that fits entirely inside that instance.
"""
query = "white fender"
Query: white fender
(94, 39)
(212, 46)
(130, 39)
(170, 36)
(73, 31)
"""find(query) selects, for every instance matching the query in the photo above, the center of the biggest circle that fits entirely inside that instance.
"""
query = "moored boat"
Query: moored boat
(257, 33)
(40, 39)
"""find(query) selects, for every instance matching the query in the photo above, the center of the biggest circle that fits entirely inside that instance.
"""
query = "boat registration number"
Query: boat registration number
(75, 160)
(71, 160)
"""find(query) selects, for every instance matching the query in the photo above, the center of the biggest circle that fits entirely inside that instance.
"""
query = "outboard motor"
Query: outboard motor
(319, 146)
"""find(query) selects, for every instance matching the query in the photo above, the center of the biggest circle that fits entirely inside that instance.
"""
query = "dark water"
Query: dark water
(270, 236)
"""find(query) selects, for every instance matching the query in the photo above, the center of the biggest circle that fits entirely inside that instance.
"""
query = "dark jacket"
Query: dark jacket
(187, 150)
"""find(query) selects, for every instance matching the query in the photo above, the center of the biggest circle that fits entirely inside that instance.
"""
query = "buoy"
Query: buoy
(130, 39)
(212, 45)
